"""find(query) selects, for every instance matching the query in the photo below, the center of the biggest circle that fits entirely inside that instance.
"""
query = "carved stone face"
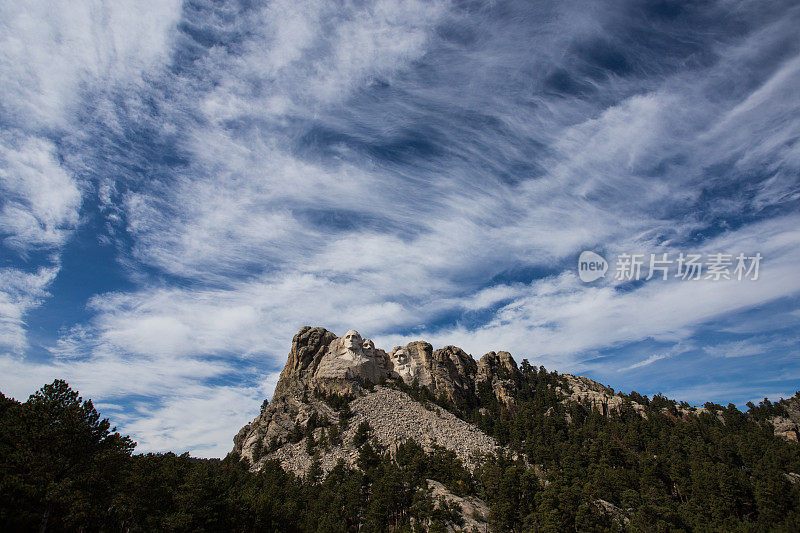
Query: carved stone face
(401, 356)
(352, 341)
(368, 345)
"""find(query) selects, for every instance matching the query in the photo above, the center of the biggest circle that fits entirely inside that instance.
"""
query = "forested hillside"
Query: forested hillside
(567, 467)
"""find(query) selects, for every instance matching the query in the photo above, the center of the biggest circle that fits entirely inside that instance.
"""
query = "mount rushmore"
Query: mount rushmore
(333, 384)
(323, 372)
(322, 366)
(338, 399)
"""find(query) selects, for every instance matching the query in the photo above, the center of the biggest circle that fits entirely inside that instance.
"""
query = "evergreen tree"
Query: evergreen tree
(62, 463)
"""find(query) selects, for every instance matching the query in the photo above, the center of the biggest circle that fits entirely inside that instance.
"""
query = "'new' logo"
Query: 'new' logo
(591, 266)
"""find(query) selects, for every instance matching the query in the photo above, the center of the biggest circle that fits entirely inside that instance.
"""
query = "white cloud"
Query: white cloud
(50, 53)
(672, 352)
(19, 292)
(49, 49)
(201, 420)
(168, 406)
(748, 347)
(40, 201)
(308, 54)
(561, 317)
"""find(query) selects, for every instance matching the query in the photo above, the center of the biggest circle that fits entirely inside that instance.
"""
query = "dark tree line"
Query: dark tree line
(65, 469)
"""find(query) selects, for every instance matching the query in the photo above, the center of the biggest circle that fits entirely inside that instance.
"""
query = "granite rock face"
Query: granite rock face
(618, 516)
(599, 397)
(785, 428)
(330, 385)
(322, 366)
(448, 371)
(474, 511)
(349, 362)
(499, 371)
(287, 407)
(604, 400)
(788, 427)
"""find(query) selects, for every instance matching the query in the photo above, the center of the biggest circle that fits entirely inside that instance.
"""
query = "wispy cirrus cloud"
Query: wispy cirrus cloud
(750, 347)
(19, 292)
(52, 56)
(41, 201)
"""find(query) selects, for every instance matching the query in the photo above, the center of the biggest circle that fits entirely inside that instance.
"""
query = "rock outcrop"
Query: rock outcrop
(598, 397)
(604, 400)
(289, 405)
(323, 370)
(330, 385)
(474, 511)
(787, 426)
(499, 371)
(619, 517)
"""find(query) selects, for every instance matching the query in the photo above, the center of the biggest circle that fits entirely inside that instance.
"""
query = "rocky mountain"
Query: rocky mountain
(333, 385)
(337, 383)
(336, 394)
(414, 439)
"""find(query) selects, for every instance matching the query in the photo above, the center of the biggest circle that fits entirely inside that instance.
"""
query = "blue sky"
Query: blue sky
(184, 185)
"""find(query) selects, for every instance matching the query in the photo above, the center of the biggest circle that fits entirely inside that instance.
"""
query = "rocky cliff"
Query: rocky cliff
(334, 392)
(331, 385)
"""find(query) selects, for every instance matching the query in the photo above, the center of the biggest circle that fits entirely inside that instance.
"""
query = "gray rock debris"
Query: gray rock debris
(394, 418)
